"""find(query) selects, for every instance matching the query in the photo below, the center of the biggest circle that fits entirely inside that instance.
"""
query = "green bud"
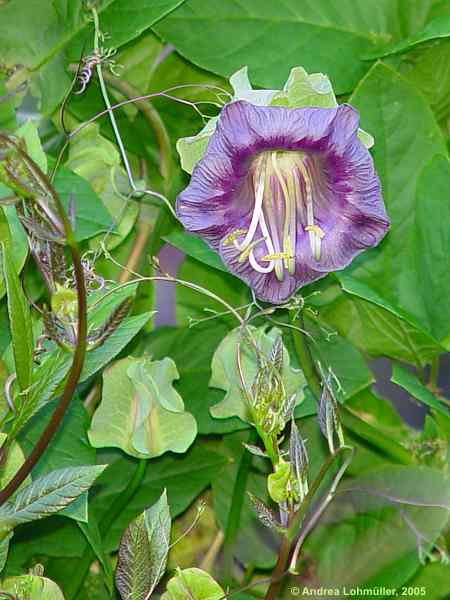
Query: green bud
(64, 302)
(278, 482)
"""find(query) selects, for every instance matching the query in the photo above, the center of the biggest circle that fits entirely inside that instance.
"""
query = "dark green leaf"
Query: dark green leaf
(411, 384)
(407, 138)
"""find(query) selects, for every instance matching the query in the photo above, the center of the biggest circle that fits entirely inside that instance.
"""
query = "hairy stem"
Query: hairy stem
(279, 571)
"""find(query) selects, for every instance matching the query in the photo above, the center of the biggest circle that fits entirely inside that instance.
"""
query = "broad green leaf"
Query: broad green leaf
(70, 446)
(91, 215)
(335, 352)
(195, 247)
(379, 526)
(184, 476)
(98, 161)
(38, 37)
(18, 311)
(409, 382)
(225, 374)
(377, 331)
(407, 139)
(32, 587)
(435, 29)
(427, 69)
(141, 412)
(143, 552)
(48, 495)
(434, 579)
(194, 584)
(279, 35)
(192, 350)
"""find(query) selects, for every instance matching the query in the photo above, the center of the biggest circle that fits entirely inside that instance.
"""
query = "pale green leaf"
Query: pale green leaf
(141, 412)
(32, 587)
(192, 584)
(225, 375)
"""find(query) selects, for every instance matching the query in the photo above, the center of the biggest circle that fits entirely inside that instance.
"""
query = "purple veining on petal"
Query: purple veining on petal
(285, 195)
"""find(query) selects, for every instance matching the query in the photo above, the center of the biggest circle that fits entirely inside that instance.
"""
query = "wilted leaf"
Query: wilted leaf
(141, 412)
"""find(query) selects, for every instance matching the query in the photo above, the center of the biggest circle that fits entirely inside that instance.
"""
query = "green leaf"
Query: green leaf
(409, 382)
(143, 552)
(377, 331)
(29, 133)
(407, 139)
(47, 495)
(14, 460)
(141, 412)
(4, 548)
(7, 105)
(192, 350)
(98, 161)
(184, 477)
(91, 216)
(19, 249)
(195, 247)
(91, 532)
(70, 446)
(194, 584)
(435, 29)
(434, 579)
(377, 525)
(288, 32)
(18, 311)
(225, 374)
(38, 36)
(32, 587)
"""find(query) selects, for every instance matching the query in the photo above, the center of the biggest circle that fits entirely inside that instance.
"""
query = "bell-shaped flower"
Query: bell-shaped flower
(285, 195)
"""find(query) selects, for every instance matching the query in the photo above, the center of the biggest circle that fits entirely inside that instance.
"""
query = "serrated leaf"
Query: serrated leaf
(192, 584)
(143, 552)
(141, 412)
(48, 495)
(225, 375)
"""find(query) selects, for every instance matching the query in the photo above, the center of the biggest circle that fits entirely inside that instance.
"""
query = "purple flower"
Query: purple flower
(285, 195)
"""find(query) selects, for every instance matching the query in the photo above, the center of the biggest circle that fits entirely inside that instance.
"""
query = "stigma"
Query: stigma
(282, 210)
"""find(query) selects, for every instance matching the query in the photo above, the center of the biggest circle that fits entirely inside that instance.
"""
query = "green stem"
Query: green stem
(434, 374)
(306, 360)
(237, 502)
(273, 592)
(121, 501)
